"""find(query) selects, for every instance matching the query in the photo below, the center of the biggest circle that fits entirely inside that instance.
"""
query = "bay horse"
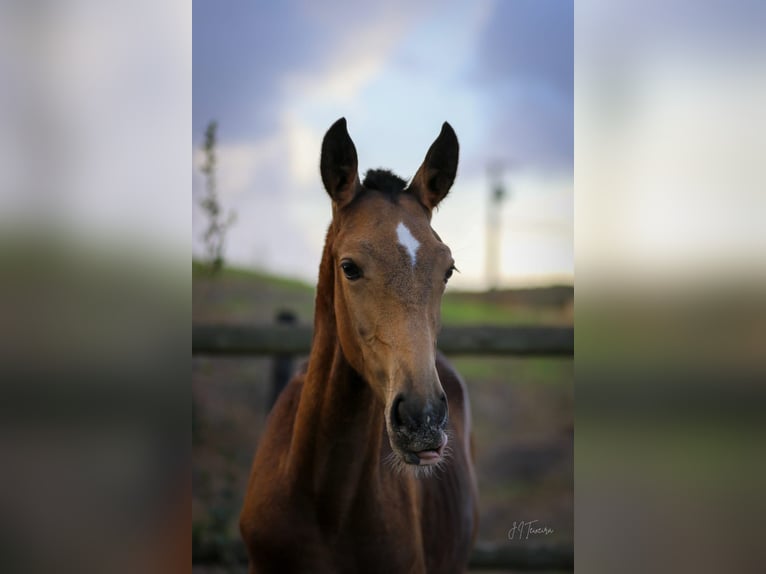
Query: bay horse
(365, 464)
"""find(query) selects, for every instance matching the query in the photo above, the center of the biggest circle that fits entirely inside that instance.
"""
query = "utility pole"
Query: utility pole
(497, 195)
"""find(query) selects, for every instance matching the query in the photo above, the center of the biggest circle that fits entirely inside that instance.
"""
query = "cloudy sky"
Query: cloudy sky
(276, 75)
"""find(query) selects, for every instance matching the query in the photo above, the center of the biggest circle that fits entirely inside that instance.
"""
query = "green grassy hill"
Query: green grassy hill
(239, 295)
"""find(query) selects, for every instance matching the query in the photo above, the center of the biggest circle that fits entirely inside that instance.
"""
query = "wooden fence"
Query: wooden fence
(287, 340)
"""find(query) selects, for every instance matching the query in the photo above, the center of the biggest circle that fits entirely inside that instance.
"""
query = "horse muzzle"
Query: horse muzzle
(417, 428)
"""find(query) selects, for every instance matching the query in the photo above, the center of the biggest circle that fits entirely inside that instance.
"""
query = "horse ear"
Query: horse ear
(339, 164)
(434, 178)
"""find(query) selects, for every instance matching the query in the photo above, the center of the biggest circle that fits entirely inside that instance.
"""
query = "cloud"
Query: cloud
(354, 56)
(273, 185)
(241, 50)
(249, 56)
(276, 78)
(238, 165)
(525, 66)
(529, 42)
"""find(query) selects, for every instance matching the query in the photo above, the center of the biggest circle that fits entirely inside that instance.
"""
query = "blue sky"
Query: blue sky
(276, 75)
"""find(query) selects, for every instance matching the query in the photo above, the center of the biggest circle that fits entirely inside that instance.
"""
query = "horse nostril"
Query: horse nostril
(443, 410)
(407, 413)
(396, 414)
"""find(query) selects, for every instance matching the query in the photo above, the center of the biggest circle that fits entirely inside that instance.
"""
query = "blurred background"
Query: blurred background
(96, 226)
(671, 285)
(268, 81)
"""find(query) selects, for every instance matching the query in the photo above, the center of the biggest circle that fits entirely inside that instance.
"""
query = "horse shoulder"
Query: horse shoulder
(457, 396)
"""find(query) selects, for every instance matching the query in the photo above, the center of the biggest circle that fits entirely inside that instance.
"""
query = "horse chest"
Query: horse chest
(296, 543)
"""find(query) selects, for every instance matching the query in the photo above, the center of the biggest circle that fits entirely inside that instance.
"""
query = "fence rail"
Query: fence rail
(474, 340)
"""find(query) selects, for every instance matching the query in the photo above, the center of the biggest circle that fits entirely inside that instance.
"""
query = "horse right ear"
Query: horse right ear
(435, 177)
(339, 164)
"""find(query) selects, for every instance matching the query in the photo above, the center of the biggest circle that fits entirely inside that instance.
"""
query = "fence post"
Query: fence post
(282, 366)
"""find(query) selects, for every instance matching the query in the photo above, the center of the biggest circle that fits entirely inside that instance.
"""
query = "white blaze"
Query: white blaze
(407, 241)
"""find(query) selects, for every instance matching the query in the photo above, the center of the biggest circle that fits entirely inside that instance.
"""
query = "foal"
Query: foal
(365, 463)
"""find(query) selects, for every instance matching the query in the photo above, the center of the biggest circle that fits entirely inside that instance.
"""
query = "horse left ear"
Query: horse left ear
(434, 178)
(339, 164)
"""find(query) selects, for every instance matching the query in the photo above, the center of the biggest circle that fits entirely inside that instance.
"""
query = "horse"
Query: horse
(366, 462)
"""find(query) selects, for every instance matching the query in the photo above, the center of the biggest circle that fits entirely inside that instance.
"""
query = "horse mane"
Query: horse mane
(384, 180)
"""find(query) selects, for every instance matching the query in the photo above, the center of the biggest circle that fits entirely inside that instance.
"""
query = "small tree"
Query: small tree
(215, 234)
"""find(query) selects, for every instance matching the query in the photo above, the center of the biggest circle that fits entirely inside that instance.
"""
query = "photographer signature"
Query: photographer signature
(523, 529)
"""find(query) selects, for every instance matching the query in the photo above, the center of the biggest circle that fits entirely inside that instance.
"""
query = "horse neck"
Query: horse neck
(339, 423)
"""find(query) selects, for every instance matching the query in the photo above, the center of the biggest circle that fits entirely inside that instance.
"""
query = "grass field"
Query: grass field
(522, 408)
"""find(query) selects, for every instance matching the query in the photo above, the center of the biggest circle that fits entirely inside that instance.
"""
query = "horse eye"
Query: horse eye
(449, 272)
(350, 270)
